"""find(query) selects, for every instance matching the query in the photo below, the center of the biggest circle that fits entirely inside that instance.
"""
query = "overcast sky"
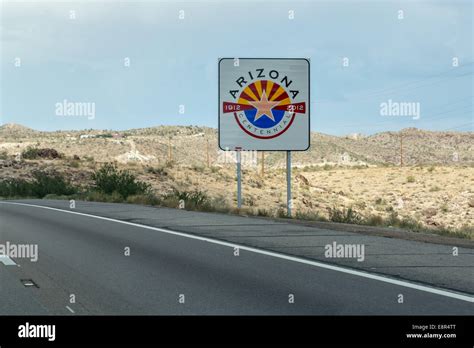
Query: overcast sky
(50, 54)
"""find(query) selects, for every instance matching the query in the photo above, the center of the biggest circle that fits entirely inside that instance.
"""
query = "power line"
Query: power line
(375, 93)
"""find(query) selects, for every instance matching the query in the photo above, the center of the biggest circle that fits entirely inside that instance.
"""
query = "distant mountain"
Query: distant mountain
(13, 130)
(191, 143)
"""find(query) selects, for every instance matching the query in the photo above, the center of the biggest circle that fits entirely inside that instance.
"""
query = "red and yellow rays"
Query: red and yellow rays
(273, 91)
(266, 94)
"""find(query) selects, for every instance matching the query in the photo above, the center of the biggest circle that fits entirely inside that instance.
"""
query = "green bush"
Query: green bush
(348, 216)
(51, 184)
(15, 188)
(30, 153)
(42, 185)
(108, 179)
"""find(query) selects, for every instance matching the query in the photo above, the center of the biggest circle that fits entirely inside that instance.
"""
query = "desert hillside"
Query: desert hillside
(191, 145)
(434, 188)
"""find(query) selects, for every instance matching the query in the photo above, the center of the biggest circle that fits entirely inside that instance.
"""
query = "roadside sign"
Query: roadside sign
(264, 104)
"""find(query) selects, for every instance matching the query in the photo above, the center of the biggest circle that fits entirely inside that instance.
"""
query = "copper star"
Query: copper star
(264, 107)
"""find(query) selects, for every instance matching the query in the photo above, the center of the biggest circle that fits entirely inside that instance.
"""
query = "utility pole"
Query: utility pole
(207, 152)
(169, 149)
(263, 163)
(401, 149)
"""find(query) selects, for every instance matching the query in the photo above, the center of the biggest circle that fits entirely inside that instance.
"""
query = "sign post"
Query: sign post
(288, 183)
(239, 180)
(264, 105)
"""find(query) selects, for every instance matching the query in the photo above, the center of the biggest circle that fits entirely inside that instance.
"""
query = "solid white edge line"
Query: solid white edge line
(433, 290)
(7, 261)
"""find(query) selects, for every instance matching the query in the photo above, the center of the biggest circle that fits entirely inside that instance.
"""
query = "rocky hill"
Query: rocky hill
(434, 188)
(191, 145)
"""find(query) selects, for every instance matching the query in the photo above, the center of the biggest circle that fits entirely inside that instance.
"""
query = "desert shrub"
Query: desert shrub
(380, 201)
(3, 155)
(147, 199)
(42, 185)
(256, 183)
(198, 168)
(409, 223)
(96, 196)
(281, 213)
(262, 212)
(344, 215)
(193, 200)
(51, 184)
(30, 153)
(309, 215)
(156, 170)
(74, 164)
(170, 164)
(327, 167)
(406, 222)
(375, 220)
(250, 201)
(15, 187)
(108, 179)
(360, 166)
(35, 153)
(169, 201)
(411, 179)
(465, 231)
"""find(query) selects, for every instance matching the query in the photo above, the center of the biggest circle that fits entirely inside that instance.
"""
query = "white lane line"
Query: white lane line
(412, 285)
(70, 309)
(7, 261)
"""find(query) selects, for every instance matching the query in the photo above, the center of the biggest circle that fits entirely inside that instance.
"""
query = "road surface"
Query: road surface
(85, 258)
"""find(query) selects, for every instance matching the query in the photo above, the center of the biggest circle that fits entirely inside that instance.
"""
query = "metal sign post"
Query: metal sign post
(288, 183)
(239, 180)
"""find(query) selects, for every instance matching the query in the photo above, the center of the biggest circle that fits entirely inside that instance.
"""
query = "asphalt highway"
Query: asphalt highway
(89, 265)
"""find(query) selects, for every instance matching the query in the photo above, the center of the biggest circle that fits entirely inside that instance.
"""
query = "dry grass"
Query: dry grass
(438, 197)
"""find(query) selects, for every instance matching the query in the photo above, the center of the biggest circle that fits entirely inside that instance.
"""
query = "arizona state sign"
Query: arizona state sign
(264, 104)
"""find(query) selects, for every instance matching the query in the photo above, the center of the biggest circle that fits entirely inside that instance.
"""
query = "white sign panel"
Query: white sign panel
(264, 104)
